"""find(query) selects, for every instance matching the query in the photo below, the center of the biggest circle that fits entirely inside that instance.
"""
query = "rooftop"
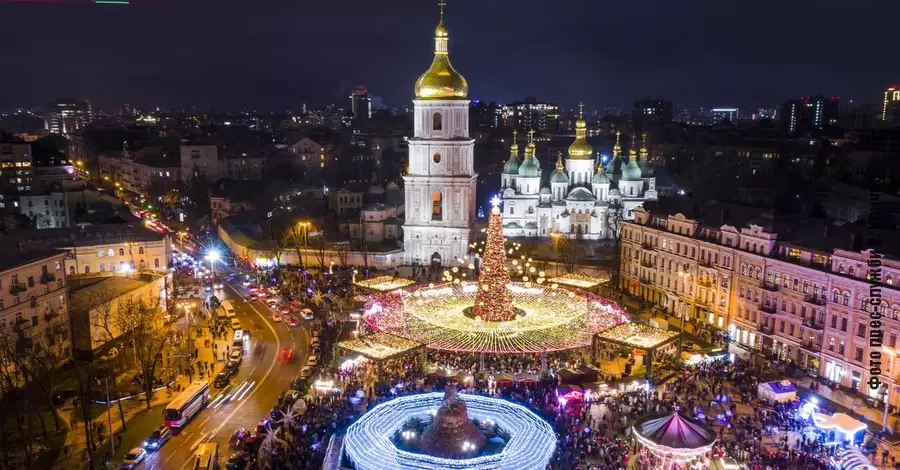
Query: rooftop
(102, 234)
(385, 283)
(379, 346)
(88, 292)
(12, 258)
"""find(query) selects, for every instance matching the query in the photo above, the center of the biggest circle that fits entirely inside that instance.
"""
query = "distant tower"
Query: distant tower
(360, 108)
(890, 111)
(440, 185)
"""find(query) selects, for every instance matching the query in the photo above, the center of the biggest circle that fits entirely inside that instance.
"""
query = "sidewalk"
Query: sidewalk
(140, 421)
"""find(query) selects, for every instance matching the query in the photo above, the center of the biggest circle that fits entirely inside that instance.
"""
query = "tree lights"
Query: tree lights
(493, 302)
(368, 441)
(554, 318)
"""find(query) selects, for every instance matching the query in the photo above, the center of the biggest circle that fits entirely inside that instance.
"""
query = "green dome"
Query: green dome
(559, 176)
(631, 172)
(600, 178)
(512, 165)
(580, 194)
(528, 169)
(647, 170)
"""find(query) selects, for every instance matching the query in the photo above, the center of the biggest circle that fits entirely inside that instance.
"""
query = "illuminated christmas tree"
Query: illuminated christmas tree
(493, 301)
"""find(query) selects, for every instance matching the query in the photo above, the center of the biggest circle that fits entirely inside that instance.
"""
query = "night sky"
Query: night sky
(277, 54)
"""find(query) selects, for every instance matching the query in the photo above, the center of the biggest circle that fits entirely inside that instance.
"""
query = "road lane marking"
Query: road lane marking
(266, 376)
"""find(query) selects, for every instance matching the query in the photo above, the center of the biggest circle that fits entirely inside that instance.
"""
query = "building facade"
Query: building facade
(15, 167)
(769, 292)
(890, 109)
(579, 200)
(440, 184)
(67, 116)
(33, 297)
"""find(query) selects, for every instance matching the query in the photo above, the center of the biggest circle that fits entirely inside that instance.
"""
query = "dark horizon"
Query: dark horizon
(242, 55)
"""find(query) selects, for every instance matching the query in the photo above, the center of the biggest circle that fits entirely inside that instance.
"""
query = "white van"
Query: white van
(228, 308)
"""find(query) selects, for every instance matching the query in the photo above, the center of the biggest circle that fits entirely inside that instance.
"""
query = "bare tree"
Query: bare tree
(45, 355)
(139, 320)
(319, 249)
(340, 249)
(294, 238)
(14, 373)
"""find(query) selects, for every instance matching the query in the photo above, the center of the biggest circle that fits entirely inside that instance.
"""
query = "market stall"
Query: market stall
(845, 428)
(778, 391)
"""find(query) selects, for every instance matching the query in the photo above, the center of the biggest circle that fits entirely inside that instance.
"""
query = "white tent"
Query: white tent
(780, 391)
(853, 459)
(840, 422)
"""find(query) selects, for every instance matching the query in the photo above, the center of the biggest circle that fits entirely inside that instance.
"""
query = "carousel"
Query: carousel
(673, 442)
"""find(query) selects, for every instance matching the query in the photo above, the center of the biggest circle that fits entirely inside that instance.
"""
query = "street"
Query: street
(250, 396)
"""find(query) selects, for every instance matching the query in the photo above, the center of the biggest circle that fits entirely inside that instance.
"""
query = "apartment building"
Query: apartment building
(114, 248)
(33, 299)
(796, 288)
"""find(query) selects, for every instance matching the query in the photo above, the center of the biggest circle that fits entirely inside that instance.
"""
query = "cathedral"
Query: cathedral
(440, 184)
(580, 198)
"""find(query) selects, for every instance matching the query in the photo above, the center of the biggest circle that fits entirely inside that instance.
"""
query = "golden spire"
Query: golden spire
(530, 141)
(617, 148)
(559, 163)
(644, 152)
(632, 150)
(514, 148)
(441, 80)
(580, 148)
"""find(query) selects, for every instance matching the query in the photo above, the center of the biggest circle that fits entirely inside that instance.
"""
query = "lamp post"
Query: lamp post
(213, 256)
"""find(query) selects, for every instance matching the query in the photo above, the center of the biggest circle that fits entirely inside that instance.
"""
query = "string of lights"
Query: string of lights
(493, 300)
(368, 441)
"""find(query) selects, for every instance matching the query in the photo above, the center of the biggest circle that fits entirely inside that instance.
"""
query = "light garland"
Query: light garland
(368, 441)
(552, 319)
(379, 346)
(581, 281)
(385, 283)
(493, 302)
(637, 336)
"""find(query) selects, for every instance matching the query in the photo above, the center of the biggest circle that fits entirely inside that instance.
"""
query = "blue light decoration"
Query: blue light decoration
(368, 441)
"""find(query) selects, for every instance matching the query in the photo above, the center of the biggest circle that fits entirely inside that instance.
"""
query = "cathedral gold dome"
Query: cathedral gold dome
(441, 81)
(580, 148)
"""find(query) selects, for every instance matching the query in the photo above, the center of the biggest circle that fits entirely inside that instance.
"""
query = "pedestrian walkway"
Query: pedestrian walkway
(74, 454)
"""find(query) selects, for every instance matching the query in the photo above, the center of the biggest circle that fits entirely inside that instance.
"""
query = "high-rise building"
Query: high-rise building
(724, 114)
(360, 108)
(531, 114)
(66, 116)
(809, 114)
(652, 112)
(440, 184)
(890, 111)
(16, 162)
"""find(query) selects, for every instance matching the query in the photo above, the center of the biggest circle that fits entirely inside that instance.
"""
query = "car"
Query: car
(232, 367)
(252, 296)
(238, 437)
(246, 284)
(284, 309)
(218, 286)
(158, 437)
(276, 317)
(305, 372)
(307, 314)
(237, 461)
(286, 354)
(235, 324)
(236, 356)
(271, 303)
(134, 457)
(312, 360)
(292, 321)
(314, 342)
(291, 396)
(214, 301)
(222, 379)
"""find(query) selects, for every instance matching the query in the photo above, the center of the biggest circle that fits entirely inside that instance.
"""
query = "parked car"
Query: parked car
(305, 372)
(222, 379)
(312, 360)
(232, 367)
(133, 458)
(307, 314)
(237, 461)
(236, 356)
(238, 437)
(158, 437)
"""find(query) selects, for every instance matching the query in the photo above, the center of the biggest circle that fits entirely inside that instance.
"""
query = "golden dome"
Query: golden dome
(580, 148)
(441, 80)
(617, 149)
(514, 148)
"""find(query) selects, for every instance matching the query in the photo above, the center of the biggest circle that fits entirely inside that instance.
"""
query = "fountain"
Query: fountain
(452, 434)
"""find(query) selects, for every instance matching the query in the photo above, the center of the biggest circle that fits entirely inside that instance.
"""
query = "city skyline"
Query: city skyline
(277, 57)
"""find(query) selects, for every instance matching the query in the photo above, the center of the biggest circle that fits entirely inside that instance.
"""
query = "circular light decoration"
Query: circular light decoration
(552, 318)
(368, 441)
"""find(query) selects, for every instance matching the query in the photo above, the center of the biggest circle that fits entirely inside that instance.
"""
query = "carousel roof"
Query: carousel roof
(582, 281)
(635, 335)
(385, 283)
(674, 432)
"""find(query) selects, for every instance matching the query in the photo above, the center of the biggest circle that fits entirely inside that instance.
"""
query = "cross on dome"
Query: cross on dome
(580, 109)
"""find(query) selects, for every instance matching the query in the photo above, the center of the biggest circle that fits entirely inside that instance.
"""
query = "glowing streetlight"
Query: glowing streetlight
(213, 256)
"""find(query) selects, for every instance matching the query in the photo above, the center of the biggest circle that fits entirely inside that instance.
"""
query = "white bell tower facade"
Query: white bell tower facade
(440, 185)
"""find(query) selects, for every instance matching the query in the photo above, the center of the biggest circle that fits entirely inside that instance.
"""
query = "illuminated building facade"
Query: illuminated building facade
(651, 112)
(531, 114)
(890, 111)
(15, 167)
(798, 290)
(440, 183)
(66, 116)
(809, 114)
(580, 199)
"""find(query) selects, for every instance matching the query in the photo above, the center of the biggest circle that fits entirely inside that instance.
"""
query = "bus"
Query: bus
(207, 456)
(187, 404)
(238, 338)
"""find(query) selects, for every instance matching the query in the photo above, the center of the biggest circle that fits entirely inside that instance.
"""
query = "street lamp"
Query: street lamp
(213, 256)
